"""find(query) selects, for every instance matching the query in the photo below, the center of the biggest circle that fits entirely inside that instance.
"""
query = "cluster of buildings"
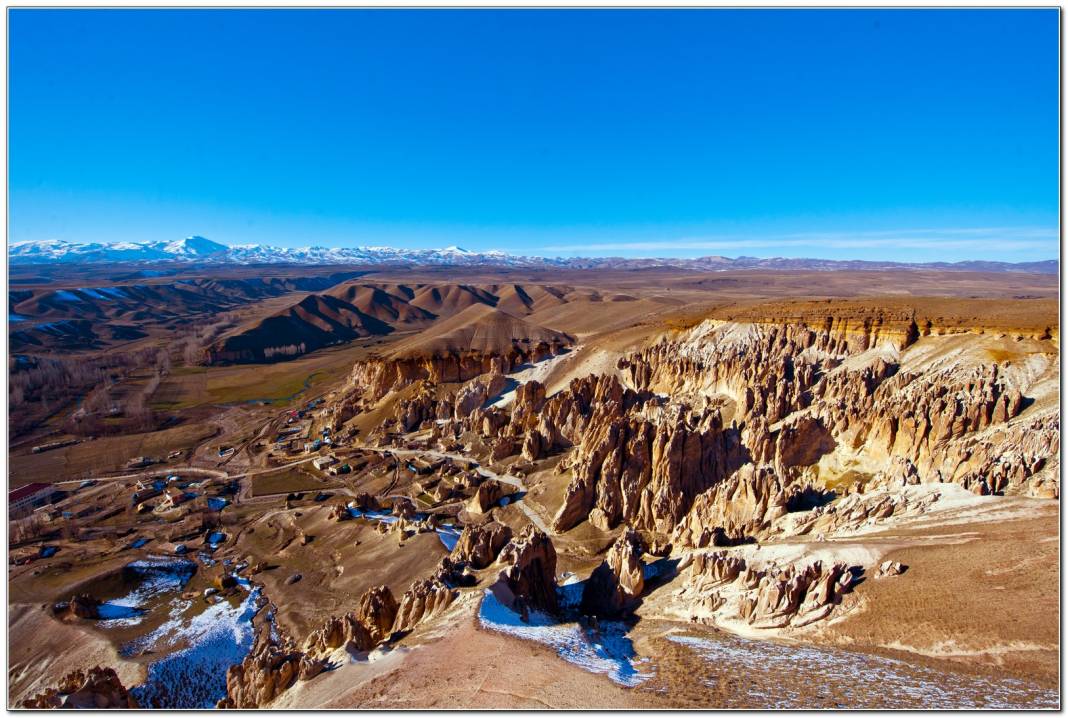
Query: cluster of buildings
(23, 500)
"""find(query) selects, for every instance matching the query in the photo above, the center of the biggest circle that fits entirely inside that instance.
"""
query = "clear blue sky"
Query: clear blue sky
(877, 134)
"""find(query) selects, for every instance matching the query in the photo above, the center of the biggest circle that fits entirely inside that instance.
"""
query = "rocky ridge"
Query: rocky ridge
(95, 689)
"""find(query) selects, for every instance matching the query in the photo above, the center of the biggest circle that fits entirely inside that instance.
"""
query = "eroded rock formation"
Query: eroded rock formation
(530, 569)
(742, 507)
(80, 606)
(479, 545)
(266, 673)
(616, 585)
(646, 471)
(722, 587)
(424, 599)
(362, 629)
(95, 689)
(487, 495)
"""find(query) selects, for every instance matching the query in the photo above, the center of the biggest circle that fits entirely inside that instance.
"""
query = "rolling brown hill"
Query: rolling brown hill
(478, 329)
(94, 317)
(314, 322)
(452, 317)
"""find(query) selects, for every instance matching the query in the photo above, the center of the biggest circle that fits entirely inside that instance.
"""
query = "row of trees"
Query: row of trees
(190, 346)
(289, 350)
(42, 385)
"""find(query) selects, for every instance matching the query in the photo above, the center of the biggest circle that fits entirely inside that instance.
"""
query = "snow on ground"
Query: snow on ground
(857, 680)
(195, 676)
(449, 535)
(385, 517)
(538, 371)
(113, 292)
(156, 577)
(606, 651)
(217, 503)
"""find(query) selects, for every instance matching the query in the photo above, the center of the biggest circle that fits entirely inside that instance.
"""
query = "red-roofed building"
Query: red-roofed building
(28, 497)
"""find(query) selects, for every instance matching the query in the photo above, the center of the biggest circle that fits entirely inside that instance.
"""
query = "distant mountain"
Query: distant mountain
(53, 251)
(201, 250)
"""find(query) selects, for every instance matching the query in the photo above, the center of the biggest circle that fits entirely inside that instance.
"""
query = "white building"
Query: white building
(30, 496)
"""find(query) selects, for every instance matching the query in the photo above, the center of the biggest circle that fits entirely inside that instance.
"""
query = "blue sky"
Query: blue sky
(910, 135)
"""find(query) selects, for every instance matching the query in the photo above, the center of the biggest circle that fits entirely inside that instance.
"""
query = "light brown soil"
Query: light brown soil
(471, 668)
(41, 649)
(982, 595)
(341, 561)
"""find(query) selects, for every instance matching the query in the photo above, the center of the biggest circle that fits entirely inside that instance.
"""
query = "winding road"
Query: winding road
(245, 493)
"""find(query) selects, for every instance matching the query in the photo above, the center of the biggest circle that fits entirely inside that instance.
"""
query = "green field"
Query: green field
(279, 384)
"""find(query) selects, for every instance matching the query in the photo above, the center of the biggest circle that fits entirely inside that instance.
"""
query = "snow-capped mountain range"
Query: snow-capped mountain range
(205, 251)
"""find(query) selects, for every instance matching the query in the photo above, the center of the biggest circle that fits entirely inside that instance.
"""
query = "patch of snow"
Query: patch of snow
(384, 516)
(861, 680)
(606, 651)
(155, 579)
(113, 292)
(449, 535)
(538, 371)
(195, 676)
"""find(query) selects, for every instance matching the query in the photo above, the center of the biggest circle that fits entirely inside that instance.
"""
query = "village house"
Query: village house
(173, 497)
(26, 498)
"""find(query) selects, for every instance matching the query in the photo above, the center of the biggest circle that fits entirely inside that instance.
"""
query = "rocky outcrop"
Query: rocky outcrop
(837, 385)
(375, 378)
(646, 471)
(377, 612)
(795, 596)
(487, 495)
(530, 570)
(479, 545)
(723, 587)
(366, 502)
(265, 673)
(764, 368)
(801, 442)
(423, 600)
(890, 568)
(535, 446)
(81, 606)
(362, 629)
(899, 471)
(615, 587)
(453, 573)
(338, 512)
(743, 507)
(95, 689)
(859, 510)
(421, 407)
(561, 420)
(403, 508)
(528, 401)
(477, 392)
